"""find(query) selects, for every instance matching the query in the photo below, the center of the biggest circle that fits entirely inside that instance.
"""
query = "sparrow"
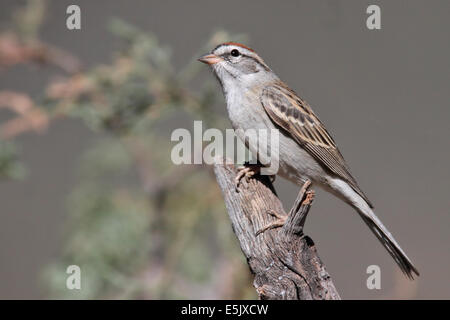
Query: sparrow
(257, 99)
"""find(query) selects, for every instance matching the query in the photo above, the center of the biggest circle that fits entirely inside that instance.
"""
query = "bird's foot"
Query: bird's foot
(247, 171)
(281, 220)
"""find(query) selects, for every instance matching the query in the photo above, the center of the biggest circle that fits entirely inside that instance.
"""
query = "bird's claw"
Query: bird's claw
(246, 172)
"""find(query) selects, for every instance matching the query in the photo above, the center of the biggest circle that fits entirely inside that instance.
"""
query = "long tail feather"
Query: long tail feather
(389, 243)
(344, 191)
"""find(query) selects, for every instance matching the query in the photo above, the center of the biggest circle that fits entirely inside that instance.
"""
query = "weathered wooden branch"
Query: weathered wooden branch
(284, 260)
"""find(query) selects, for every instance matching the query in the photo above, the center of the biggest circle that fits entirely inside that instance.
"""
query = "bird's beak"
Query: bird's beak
(210, 59)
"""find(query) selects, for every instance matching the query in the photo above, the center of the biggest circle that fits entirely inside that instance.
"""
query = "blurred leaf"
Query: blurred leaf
(28, 19)
(10, 167)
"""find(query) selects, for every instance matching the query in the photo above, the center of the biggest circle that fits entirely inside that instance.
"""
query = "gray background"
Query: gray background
(383, 94)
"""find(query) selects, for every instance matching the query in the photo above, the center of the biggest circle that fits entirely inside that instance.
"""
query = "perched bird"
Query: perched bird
(257, 99)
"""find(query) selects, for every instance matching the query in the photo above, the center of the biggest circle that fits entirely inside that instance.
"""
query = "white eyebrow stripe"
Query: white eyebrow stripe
(223, 48)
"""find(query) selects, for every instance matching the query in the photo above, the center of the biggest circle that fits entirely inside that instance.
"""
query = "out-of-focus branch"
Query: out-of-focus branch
(29, 116)
(13, 51)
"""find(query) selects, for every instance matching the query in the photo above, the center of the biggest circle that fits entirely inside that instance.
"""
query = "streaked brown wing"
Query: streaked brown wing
(296, 117)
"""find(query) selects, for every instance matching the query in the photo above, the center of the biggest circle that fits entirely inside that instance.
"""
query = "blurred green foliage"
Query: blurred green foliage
(138, 226)
(10, 166)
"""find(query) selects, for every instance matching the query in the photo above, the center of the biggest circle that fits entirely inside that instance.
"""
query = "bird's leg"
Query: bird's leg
(281, 220)
(246, 171)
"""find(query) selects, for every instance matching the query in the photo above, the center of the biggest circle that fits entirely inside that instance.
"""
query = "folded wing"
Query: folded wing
(295, 116)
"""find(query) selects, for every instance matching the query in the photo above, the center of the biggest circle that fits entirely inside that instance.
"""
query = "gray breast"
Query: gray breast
(295, 164)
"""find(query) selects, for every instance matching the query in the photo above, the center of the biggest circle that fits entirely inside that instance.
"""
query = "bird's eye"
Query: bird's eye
(235, 53)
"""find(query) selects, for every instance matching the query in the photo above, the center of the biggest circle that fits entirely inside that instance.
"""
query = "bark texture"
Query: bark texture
(284, 260)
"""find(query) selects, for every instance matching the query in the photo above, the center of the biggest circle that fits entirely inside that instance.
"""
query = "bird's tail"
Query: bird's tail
(347, 193)
(388, 241)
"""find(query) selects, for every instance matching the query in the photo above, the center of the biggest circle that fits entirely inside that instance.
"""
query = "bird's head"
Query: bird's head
(236, 64)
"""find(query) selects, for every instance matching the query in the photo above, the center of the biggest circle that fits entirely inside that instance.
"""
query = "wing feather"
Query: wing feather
(295, 116)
